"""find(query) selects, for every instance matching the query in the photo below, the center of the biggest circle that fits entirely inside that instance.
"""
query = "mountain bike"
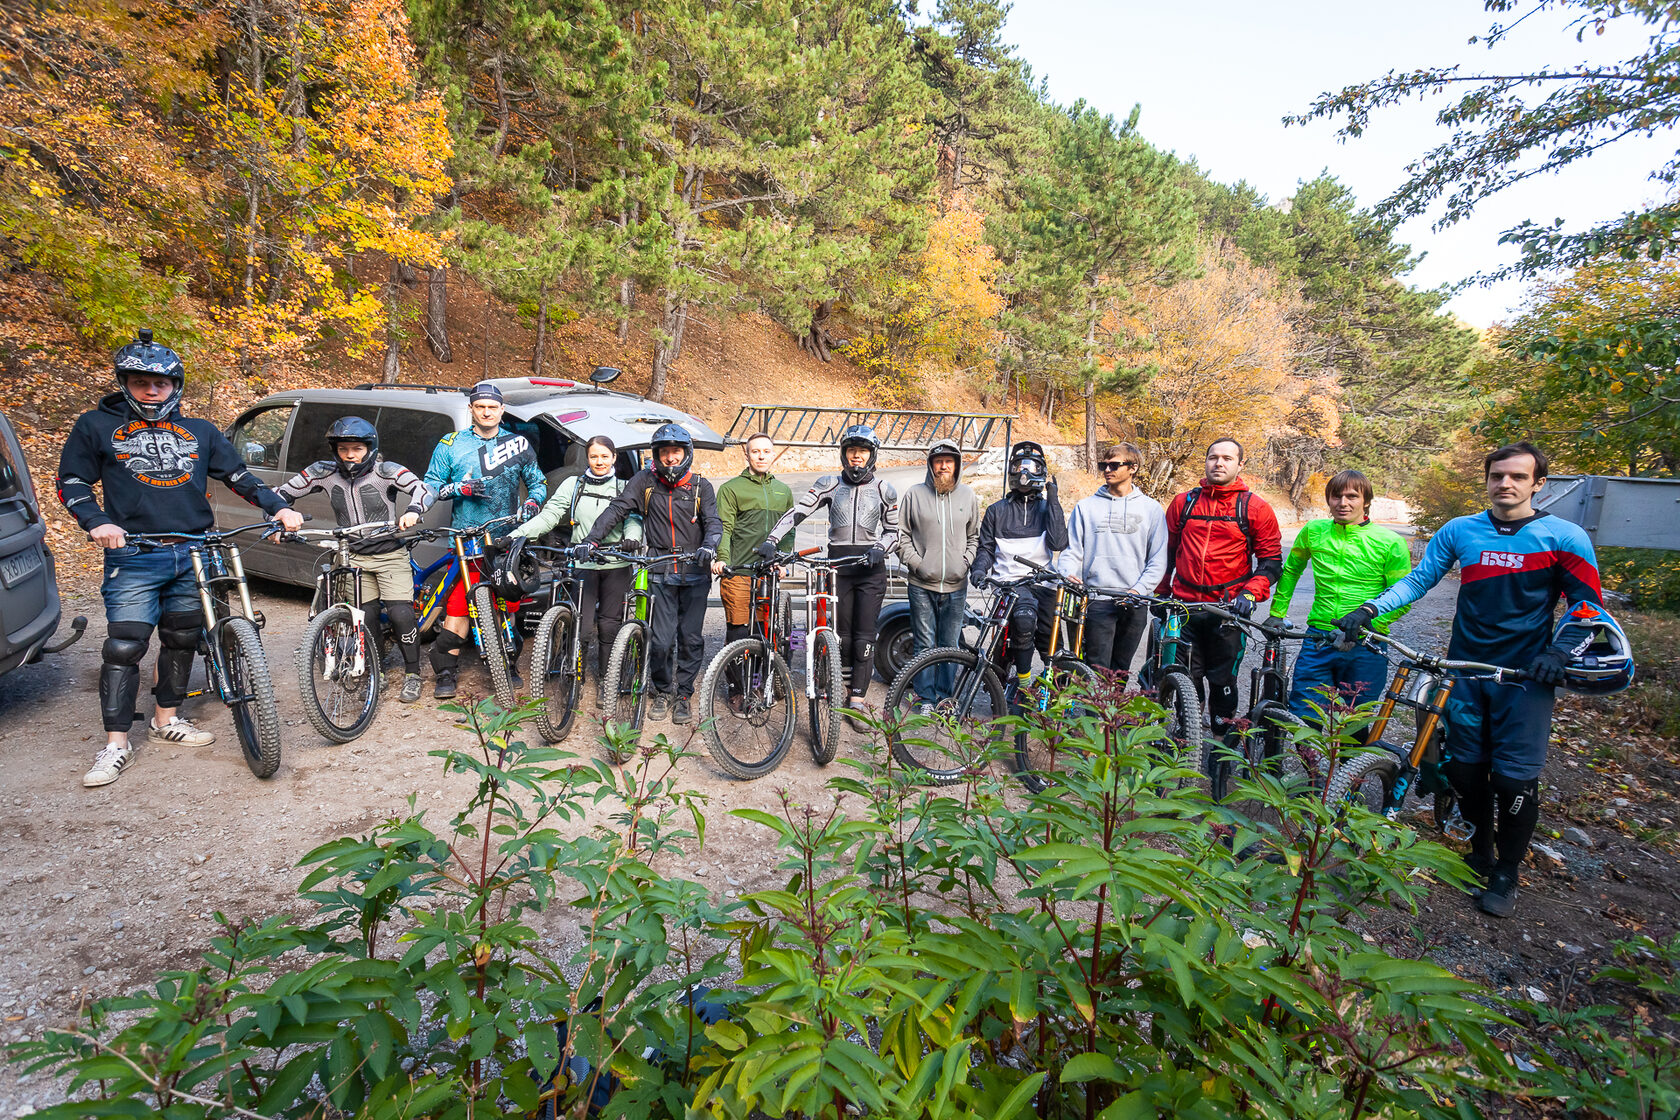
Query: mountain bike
(1382, 776)
(491, 623)
(626, 681)
(952, 734)
(746, 706)
(235, 665)
(339, 670)
(825, 684)
(1061, 686)
(557, 647)
(1166, 675)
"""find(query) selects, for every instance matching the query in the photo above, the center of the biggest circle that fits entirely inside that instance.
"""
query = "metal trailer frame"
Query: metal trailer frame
(1617, 512)
(899, 429)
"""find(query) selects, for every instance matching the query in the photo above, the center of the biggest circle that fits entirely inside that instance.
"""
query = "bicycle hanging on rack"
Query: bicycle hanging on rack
(235, 665)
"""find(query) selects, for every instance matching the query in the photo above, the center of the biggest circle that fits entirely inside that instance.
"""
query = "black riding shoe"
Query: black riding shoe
(659, 706)
(444, 687)
(1500, 897)
(1482, 868)
(681, 712)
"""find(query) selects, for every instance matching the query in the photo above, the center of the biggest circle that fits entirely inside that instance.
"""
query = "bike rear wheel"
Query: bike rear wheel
(1038, 752)
(626, 682)
(948, 745)
(1177, 694)
(493, 645)
(555, 664)
(250, 696)
(746, 708)
(1368, 779)
(829, 688)
(340, 697)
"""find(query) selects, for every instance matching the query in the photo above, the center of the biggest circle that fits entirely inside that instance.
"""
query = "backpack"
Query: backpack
(1240, 517)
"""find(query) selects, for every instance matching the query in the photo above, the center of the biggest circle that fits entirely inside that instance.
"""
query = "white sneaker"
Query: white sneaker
(110, 764)
(178, 732)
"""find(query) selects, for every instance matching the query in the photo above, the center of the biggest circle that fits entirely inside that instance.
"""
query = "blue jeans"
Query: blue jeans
(144, 584)
(936, 617)
(1322, 672)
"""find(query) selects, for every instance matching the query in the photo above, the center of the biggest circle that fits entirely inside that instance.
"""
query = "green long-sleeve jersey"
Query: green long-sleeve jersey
(1352, 564)
(749, 505)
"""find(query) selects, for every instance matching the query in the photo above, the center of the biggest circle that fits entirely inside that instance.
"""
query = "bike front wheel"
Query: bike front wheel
(1368, 779)
(626, 682)
(1039, 750)
(956, 731)
(555, 661)
(250, 696)
(1177, 695)
(828, 695)
(746, 708)
(338, 674)
(492, 645)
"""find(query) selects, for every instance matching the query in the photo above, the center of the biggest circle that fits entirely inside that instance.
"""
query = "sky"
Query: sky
(1216, 78)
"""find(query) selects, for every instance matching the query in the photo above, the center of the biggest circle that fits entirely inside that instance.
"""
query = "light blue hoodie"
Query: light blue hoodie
(1116, 543)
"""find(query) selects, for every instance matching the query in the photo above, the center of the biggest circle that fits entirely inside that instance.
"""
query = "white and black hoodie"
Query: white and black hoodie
(1020, 527)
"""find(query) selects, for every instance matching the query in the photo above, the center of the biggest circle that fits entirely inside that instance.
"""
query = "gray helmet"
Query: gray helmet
(145, 356)
(673, 435)
(353, 429)
(858, 435)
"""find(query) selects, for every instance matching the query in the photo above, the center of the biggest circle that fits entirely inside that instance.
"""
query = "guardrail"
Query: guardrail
(898, 429)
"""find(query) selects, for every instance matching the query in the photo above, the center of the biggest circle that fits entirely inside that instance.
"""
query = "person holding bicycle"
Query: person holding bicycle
(678, 509)
(939, 523)
(1223, 546)
(573, 509)
(363, 487)
(479, 469)
(153, 465)
(748, 505)
(1353, 561)
(862, 521)
(1117, 541)
(1025, 525)
(1514, 563)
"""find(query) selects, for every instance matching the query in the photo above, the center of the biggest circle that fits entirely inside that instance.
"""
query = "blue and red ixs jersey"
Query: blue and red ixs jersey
(1512, 574)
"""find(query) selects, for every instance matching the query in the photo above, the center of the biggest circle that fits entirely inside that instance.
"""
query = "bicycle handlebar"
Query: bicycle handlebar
(1499, 673)
(163, 540)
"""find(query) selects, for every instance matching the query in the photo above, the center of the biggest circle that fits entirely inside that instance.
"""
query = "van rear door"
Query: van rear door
(28, 590)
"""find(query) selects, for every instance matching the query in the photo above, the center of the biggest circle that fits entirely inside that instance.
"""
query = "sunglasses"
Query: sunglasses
(1116, 464)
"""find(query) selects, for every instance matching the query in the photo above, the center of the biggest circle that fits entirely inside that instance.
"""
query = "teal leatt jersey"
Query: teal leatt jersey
(500, 463)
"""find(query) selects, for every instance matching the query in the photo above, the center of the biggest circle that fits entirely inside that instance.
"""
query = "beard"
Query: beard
(944, 485)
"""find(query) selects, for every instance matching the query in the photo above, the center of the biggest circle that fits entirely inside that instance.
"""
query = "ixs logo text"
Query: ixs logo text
(513, 449)
(1513, 560)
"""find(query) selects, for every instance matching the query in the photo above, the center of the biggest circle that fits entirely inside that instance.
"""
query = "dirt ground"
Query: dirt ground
(103, 888)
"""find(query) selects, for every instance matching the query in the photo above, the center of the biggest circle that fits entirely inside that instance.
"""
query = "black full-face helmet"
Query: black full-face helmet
(353, 429)
(673, 435)
(1029, 469)
(145, 356)
(858, 435)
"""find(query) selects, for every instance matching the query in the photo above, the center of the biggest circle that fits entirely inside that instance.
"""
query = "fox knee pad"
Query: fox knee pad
(446, 651)
(119, 675)
(178, 635)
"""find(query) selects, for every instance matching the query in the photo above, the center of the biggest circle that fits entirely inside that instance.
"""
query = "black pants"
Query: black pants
(860, 591)
(677, 635)
(1216, 651)
(601, 609)
(1030, 624)
(1112, 635)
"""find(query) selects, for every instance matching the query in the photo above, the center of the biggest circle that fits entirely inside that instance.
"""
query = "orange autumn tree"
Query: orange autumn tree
(941, 313)
(1223, 360)
(326, 150)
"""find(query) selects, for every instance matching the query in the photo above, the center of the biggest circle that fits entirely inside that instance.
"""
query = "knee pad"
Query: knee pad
(1466, 778)
(125, 643)
(1516, 795)
(180, 630)
(864, 649)
(446, 650)
(404, 624)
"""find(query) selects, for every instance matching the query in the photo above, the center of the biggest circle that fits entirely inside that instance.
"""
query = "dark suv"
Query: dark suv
(29, 609)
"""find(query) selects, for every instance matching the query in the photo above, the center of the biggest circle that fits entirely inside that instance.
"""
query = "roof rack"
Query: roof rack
(400, 385)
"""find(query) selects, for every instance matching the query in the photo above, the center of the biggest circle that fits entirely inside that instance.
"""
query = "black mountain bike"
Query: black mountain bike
(626, 680)
(557, 648)
(235, 665)
(746, 707)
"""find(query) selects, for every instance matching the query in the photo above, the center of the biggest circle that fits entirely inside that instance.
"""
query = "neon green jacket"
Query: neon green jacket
(1352, 564)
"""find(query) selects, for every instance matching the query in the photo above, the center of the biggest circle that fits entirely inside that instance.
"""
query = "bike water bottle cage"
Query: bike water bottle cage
(1599, 663)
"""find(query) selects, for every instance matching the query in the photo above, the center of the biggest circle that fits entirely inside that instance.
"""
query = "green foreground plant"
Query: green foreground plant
(1115, 946)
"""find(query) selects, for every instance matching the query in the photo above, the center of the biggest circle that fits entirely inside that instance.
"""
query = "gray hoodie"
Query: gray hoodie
(1119, 544)
(939, 533)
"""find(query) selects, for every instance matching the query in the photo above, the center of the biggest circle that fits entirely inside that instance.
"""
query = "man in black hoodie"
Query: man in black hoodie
(678, 509)
(154, 467)
(1026, 524)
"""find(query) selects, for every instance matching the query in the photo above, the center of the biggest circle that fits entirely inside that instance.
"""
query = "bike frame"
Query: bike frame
(822, 608)
(456, 559)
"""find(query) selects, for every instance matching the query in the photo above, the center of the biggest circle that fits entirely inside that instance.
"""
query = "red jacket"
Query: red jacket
(1211, 560)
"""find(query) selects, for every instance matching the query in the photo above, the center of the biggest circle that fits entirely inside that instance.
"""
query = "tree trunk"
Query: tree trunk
(816, 339)
(437, 314)
(667, 344)
(393, 340)
(1091, 388)
(542, 332)
(405, 273)
(626, 300)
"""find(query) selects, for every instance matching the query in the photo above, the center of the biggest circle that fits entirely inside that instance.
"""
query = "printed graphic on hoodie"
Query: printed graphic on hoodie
(160, 454)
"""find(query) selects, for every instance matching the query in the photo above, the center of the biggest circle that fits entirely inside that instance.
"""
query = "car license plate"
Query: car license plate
(15, 567)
